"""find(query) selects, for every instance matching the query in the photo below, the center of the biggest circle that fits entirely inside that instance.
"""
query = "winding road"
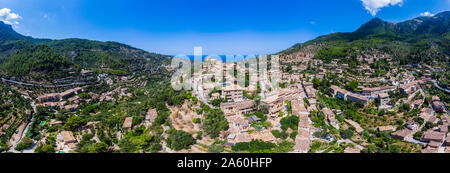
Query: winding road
(14, 144)
(439, 87)
(43, 85)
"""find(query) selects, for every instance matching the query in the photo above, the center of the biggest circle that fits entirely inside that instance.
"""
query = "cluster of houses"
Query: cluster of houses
(55, 100)
(433, 138)
(66, 141)
(309, 90)
(109, 96)
(437, 104)
(343, 94)
(238, 107)
(331, 117)
(148, 121)
(368, 95)
(377, 90)
(233, 93)
(288, 78)
(54, 97)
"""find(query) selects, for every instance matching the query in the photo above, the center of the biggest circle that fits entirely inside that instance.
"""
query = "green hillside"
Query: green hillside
(23, 56)
(38, 62)
(423, 39)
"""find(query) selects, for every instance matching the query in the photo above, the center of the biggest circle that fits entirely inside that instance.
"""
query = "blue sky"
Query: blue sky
(219, 26)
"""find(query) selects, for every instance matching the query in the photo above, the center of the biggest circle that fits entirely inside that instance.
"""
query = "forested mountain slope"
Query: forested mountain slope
(21, 56)
(420, 40)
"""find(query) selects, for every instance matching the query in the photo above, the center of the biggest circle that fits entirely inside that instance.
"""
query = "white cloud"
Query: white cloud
(373, 6)
(8, 17)
(427, 14)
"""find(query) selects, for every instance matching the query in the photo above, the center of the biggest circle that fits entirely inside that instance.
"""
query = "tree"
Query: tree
(320, 134)
(293, 135)
(25, 143)
(347, 134)
(127, 146)
(285, 146)
(179, 139)
(254, 146)
(278, 134)
(45, 149)
(316, 82)
(217, 102)
(404, 108)
(38, 62)
(353, 85)
(74, 122)
(215, 148)
(381, 112)
(290, 122)
(214, 121)
(98, 148)
(264, 109)
(395, 149)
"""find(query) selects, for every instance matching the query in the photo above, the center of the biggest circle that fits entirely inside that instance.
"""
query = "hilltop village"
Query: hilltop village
(358, 92)
(318, 107)
(332, 108)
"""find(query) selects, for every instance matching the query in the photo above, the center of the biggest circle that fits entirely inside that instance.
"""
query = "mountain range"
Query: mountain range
(422, 39)
(21, 55)
(418, 40)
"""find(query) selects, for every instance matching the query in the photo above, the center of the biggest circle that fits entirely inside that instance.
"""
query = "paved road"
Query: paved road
(200, 93)
(412, 96)
(411, 139)
(439, 87)
(14, 144)
(43, 85)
